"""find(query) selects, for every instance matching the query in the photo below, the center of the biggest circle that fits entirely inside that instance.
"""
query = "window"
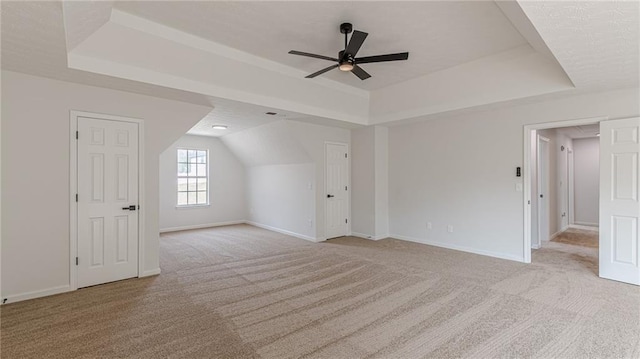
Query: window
(193, 177)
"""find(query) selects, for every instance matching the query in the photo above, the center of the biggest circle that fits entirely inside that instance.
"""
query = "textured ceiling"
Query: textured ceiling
(438, 35)
(584, 131)
(238, 116)
(33, 42)
(83, 19)
(596, 42)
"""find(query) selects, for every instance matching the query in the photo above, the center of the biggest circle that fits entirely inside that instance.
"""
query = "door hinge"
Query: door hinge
(76, 197)
(345, 188)
(345, 155)
(346, 220)
(76, 135)
(76, 260)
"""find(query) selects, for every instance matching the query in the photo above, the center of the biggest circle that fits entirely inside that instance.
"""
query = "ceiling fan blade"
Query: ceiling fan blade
(322, 71)
(293, 52)
(360, 72)
(355, 42)
(383, 58)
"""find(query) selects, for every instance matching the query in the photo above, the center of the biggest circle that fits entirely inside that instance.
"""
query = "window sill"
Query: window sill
(193, 206)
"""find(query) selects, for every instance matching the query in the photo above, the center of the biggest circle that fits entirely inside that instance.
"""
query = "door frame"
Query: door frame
(73, 189)
(570, 187)
(324, 193)
(540, 181)
(526, 203)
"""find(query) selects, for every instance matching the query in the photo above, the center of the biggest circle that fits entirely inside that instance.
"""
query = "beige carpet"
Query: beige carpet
(243, 292)
(578, 237)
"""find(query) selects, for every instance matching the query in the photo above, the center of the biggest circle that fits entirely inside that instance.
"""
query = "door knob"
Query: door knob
(541, 196)
(330, 195)
(130, 208)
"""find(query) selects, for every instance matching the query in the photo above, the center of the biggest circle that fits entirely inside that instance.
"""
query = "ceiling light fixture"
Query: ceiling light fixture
(345, 66)
(347, 60)
(598, 134)
(219, 127)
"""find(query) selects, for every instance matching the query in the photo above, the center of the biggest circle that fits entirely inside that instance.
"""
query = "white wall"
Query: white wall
(370, 182)
(281, 197)
(460, 171)
(291, 153)
(35, 196)
(226, 187)
(363, 184)
(586, 180)
(381, 154)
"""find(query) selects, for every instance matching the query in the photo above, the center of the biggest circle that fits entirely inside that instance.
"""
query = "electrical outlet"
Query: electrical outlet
(310, 224)
(450, 228)
(429, 225)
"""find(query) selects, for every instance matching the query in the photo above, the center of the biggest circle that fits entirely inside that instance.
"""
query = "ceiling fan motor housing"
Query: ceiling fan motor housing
(346, 28)
(346, 58)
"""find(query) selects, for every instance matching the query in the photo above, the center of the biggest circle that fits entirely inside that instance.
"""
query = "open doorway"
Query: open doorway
(565, 188)
(617, 249)
(562, 185)
(565, 161)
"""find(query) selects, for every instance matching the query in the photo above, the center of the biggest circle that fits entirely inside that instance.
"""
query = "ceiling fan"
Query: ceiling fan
(347, 60)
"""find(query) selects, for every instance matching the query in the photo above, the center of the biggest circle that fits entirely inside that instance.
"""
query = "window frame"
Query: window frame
(196, 177)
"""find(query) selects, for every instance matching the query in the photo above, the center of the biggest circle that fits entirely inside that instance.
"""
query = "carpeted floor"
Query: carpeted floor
(243, 292)
(578, 237)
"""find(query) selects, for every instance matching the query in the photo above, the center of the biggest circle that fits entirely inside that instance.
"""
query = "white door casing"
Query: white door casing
(619, 205)
(107, 227)
(570, 186)
(336, 184)
(543, 189)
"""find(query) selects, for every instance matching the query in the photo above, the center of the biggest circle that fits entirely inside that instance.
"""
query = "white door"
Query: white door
(619, 206)
(337, 198)
(107, 201)
(543, 189)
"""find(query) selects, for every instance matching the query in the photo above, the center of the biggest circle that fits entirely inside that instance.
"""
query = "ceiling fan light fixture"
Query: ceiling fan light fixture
(347, 60)
(219, 127)
(345, 66)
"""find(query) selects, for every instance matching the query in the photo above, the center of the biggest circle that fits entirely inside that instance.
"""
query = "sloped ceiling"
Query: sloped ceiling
(270, 144)
(464, 55)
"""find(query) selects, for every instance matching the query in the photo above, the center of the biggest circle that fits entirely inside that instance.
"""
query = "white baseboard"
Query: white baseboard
(284, 231)
(36, 294)
(368, 236)
(200, 226)
(588, 227)
(361, 235)
(150, 272)
(555, 234)
(459, 248)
